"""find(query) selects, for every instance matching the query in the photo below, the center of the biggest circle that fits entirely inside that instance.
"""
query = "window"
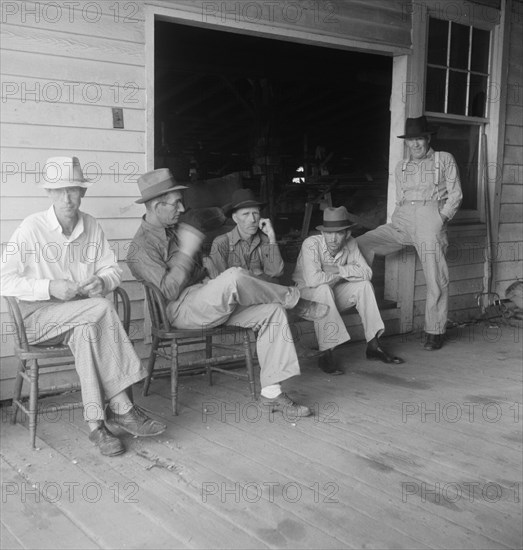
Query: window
(457, 69)
(456, 96)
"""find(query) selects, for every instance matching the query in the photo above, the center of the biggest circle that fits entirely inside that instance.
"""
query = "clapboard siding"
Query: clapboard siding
(48, 92)
(466, 257)
(57, 137)
(380, 24)
(61, 76)
(54, 42)
(30, 114)
(509, 265)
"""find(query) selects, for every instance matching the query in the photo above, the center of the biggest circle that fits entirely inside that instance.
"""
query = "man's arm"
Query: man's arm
(310, 262)
(218, 256)
(147, 264)
(353, 266)
(450, 174)
(13, 280)
(272, 262)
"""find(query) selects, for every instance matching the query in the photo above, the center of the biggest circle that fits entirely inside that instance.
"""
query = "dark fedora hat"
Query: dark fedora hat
(417, 127)
(157, 183)
(242, 198)
(336, 219)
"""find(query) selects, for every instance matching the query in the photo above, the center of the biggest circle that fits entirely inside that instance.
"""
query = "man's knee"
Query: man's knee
(98, 308)
(323, 294)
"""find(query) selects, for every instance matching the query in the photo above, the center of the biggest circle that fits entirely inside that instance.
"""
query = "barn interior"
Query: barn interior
(298, 123)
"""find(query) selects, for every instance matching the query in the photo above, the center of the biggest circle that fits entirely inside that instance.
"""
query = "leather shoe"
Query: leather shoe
(327, 364)
(284, 402)
(309, 310)
(379, 354)
(433, 342)
(135, 422)
(304, 352)
(108, 444)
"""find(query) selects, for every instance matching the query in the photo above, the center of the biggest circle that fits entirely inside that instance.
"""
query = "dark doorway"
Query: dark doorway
(228, 102)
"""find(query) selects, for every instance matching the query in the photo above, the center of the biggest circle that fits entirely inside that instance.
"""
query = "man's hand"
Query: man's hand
(63, 289)
(92, 287)
(333, 269)
(357, 272)
(344, 256)
(265, 226)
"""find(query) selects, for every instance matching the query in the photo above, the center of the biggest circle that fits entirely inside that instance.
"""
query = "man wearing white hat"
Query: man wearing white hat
(331, 270)
(166, 253)
(59, 265)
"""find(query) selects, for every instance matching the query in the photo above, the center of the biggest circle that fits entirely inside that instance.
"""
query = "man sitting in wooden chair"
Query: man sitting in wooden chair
(332, 270)
(59, 265)
(166, 253)
(251, 244)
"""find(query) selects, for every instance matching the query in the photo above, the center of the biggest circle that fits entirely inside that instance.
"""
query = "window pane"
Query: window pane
(477, 95)
(435, 90)
(459, 46)
(437, 47)
(462, 141)
(480, 50)
(457, 93)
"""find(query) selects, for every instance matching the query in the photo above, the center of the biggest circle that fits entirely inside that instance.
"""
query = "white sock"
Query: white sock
(272, 391)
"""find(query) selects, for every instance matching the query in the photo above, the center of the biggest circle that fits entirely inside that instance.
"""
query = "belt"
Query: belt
(425, 201)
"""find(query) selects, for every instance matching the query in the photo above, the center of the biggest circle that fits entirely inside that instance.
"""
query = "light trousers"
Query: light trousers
(105, 359)
(236, 298)
(331, 331)
(419, 224)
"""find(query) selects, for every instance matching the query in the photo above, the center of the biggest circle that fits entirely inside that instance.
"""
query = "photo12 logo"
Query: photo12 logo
(69, 12)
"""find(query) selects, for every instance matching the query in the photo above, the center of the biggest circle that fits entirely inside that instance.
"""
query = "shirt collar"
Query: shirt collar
(428, 156)
(154, 230)
(236, 237)
(325, 250)
(54, 224)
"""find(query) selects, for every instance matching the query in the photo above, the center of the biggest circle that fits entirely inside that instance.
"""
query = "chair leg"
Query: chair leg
(33, 402)
(17, 392)
(249, 363)
(208, 355)
(174, 376)
(150, 365)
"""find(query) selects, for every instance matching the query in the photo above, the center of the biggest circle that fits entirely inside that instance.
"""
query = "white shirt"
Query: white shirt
(38, 252)
(314, 255)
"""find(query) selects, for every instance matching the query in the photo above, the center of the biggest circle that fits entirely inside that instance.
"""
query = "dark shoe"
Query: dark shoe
(379, 354)
(309, 310)
(135, 422)
(303, 352)
(284, 402)
(108, 444)
(327, 364)
(433, 342)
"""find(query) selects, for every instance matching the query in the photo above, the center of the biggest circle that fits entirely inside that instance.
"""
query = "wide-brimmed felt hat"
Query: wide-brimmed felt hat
(336, 219)
(157, 183)
(62, 172)
(417, 127)
(241, 198)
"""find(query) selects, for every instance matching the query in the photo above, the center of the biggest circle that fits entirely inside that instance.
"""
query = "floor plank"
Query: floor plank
(376, 467)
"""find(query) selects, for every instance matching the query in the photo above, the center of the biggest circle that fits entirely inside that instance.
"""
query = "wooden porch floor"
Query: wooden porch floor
(423, 455)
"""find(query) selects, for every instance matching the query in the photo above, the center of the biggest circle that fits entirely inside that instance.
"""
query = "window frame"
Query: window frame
(486, 123)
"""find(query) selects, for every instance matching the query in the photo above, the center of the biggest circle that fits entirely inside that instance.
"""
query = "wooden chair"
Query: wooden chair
(164, 336)
(30, 358)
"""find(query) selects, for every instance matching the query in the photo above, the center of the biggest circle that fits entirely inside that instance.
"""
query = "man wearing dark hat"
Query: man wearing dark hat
(332, 271)
(166, 253)
(428, 195)
(251, 244)
(59, 265)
